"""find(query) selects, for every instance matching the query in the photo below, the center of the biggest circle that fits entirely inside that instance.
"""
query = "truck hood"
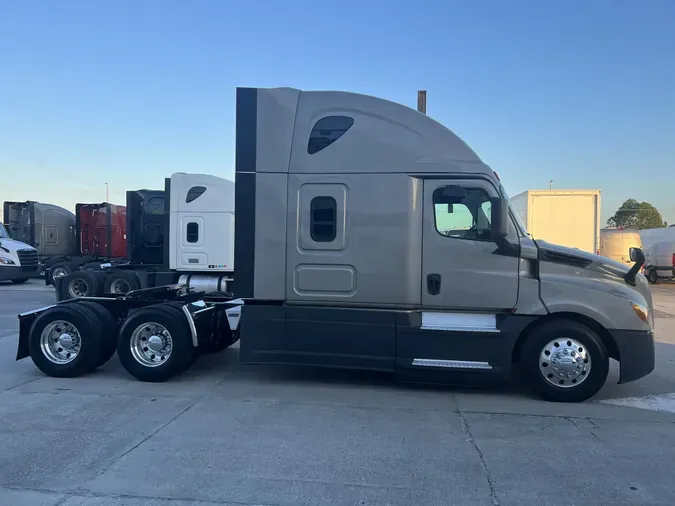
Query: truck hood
(599, 266)
(12, 245)
(579, 258)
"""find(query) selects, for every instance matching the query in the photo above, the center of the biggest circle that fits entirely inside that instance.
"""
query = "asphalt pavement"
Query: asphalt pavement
(228, 434)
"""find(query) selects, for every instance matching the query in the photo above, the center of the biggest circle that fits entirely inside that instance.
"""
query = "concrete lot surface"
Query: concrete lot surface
(227, 434)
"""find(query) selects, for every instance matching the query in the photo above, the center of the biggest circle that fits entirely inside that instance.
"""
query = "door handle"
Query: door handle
(434, 283)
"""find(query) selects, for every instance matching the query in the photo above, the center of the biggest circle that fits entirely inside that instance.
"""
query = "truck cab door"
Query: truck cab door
(463, 270)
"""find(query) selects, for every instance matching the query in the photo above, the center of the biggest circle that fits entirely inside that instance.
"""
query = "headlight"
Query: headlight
(6, 261)
(641, 311)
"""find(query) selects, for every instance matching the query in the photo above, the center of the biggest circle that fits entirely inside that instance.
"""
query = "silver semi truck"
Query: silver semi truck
(368, 236)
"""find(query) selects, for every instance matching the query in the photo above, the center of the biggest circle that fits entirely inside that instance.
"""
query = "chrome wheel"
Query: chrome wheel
(78, 288)
(120, 286)
(565, 362)
(59, 272)
(60, 342)
(151, 344)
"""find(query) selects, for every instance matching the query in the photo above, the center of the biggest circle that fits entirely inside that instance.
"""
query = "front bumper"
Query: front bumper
(636, 353)
(12, 272)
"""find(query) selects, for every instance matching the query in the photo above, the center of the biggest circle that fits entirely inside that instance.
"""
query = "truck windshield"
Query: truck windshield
(3, 232)
(519, 223)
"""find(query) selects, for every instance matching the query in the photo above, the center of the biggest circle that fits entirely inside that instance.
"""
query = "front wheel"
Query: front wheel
(564, 361)
(653, 276)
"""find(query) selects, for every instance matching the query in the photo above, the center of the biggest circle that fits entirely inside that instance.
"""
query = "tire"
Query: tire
(72, 320)
(80, 284)
(653, 276)
(141, 362)
(586, 360)
(121, 282)
(193, 354)
(60, 269)
(109, 334)
(19, 281)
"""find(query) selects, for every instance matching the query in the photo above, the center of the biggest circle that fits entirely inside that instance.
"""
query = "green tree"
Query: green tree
(636, 215)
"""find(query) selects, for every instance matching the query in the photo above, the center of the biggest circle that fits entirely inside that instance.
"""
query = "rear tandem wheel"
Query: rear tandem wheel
(65, 341)
(155, 343)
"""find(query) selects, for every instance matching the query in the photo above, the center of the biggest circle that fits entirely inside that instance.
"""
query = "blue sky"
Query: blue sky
(128, 91)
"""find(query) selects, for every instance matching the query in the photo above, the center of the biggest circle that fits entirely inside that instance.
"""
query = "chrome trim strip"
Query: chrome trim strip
(210, 308)
(456, 364)
(191, 323)
(452, 328)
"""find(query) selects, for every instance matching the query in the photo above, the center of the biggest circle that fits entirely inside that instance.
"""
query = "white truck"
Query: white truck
(18, 261)
(567, 217)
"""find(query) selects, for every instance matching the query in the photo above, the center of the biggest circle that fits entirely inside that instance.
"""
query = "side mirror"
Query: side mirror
(636, 255)
(499, 218)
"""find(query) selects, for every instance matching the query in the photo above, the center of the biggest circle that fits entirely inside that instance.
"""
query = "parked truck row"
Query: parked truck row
(66, 242)
(367, 236)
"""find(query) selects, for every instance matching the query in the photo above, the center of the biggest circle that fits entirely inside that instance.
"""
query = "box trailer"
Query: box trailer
(567, 217)
(366, 236)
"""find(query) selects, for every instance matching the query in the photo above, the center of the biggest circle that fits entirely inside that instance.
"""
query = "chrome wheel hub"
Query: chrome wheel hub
(60, 342)
(120, 286)
(151, 344)
(59, 272)
(565, 362)
(78, 288)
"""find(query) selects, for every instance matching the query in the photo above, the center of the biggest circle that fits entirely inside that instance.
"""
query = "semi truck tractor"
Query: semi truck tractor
(366, 236)
(66, 241)
(18, 260)
(162, 247)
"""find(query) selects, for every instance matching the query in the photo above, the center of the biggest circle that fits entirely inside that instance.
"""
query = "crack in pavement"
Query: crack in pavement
(488, 476)
(114, 460)
(574, 423)
(86, 494)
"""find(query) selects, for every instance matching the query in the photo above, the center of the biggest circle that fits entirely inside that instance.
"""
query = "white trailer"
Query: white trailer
(567, 217)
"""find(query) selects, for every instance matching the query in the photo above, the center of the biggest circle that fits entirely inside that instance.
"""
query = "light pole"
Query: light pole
(106, 193)
(422, 101)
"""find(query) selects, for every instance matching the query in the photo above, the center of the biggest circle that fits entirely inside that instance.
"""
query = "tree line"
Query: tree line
(637, 215)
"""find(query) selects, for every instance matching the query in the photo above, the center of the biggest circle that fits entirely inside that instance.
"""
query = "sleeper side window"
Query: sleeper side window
(326, 131)
(462, 213)
(192, 232)
(194, 193)
(323, 219)
(155, 206)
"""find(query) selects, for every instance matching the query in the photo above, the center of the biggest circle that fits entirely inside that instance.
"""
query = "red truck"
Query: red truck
(67, 242)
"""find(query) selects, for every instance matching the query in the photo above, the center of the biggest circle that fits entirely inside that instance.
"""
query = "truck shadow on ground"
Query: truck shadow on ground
(306, 377)
(660, 381)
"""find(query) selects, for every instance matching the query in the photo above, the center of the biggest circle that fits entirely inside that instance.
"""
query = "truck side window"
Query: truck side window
(192, 233)
(462, 213)
(155, 206)
(326, 131)
(323, 219)
(194, 193)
